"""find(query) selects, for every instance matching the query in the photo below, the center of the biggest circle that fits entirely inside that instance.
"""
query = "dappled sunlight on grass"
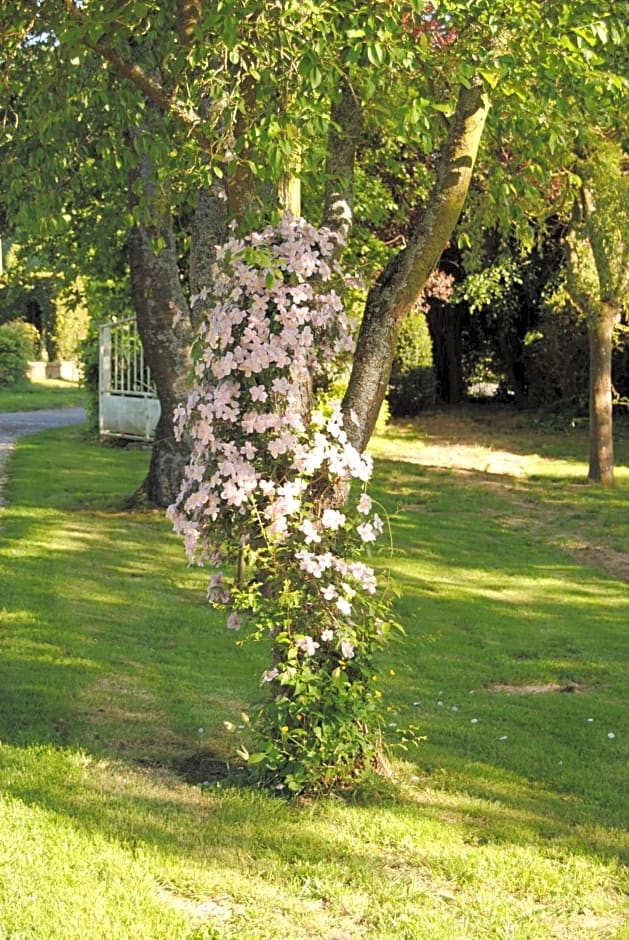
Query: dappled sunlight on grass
(431, 853)
(553, 584)
(41, 394)
(507, 821)
(482, 440)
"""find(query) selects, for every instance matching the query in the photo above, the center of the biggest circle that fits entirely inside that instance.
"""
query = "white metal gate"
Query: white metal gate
(128, 406)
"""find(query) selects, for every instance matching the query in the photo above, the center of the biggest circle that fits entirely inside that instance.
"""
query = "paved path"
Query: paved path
(17, 423)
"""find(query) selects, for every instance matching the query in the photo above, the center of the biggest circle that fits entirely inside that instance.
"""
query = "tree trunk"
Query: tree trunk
(346, 125)
(402, 281)
(209, 229)
(597, 276)
(445, 323)
(158, 296)
(600, 338)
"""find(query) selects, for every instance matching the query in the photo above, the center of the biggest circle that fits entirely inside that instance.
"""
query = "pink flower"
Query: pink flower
(310, 532)
(364, 575)
(258, 393)
(281, 386)
(366, 532)
(309, 563)
(278, 528)
(267, 488)
(233, 622)
(270, 674)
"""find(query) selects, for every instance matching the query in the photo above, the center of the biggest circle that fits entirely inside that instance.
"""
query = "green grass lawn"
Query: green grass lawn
(509, 821)
(41, 394)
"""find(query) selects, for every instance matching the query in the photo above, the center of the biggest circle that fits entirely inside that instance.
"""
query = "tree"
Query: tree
(220, 111)
(597, 264)
(209, 101)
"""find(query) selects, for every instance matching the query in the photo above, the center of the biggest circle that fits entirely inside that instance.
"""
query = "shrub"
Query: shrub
(88, 353)
(16, 348)
(412, 383)
(556, 361)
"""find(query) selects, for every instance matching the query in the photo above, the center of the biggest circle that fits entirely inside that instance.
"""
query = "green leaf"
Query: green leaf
(491, 78)
(376, 54)
(256, 758)
(315, 77)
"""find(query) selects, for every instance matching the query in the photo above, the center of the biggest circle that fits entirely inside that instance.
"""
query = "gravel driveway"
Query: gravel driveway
(17, 423)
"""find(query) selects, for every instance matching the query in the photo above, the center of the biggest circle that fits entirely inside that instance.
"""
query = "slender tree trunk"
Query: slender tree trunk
(445, 323)
(596, 278)
(402, 281)
(600, 339)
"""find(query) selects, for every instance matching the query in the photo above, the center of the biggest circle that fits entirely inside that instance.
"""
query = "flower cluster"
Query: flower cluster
(268, 485)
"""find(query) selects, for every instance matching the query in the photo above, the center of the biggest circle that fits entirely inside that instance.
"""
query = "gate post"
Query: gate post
(104, 372)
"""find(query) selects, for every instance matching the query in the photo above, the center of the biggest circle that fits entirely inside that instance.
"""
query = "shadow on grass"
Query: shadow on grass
(241, 827)
(110, 651)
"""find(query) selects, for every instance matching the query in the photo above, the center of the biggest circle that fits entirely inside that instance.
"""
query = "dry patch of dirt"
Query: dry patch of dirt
(612, 562)
(537, 689)
(203, 908)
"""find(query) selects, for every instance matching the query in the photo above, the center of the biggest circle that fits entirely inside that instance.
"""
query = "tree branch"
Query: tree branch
(401, 282)
(152, 89)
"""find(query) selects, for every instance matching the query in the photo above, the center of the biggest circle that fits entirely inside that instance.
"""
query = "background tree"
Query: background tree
(597, 267)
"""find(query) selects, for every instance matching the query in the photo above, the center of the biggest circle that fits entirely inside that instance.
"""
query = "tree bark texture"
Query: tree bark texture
(402, 281)
(596, 278)
(346, 124)
(157, 296)
(209, 229)
(600, 339)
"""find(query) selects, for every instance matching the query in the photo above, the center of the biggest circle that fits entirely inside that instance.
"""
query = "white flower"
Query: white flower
(364, 504)
(327, 635)
(347, 649)
(310, 532)
(307, 645)
(473, 721)
(332, 519)
(611, 735)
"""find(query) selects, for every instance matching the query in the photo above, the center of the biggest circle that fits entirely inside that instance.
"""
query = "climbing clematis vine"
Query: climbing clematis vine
(273, 498)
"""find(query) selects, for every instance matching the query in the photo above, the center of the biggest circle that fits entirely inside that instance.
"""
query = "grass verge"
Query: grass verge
(509, 820)
(39, 395)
